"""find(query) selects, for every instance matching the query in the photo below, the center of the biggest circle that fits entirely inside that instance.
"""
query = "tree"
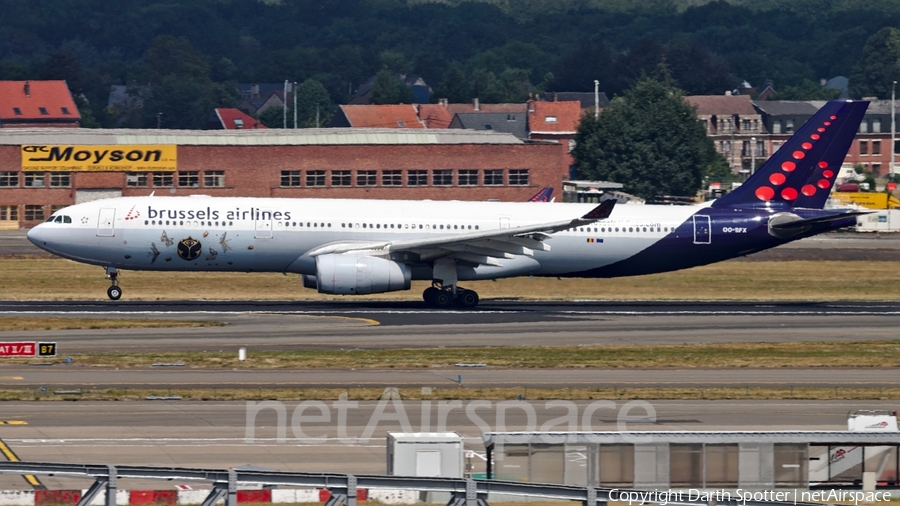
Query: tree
(312, 99)
(879, 66)
(454, 87)
(186, 102)
(388, 89)
(169, 55)
(807, 90)
(650, 140)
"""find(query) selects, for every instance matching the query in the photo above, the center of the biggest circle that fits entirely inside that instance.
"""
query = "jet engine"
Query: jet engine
(349, 274)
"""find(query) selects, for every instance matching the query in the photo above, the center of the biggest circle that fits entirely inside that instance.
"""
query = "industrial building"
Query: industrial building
(42, 170)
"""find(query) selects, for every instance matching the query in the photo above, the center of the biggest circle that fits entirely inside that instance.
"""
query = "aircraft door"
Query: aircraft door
(702, 230)
(105, 225)
(263, 228)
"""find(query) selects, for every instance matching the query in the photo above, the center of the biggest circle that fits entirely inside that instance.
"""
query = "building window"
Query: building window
(417, 178)
(341, 177)
(43, 111)
(876, 125)
(551, 119)
(290, 178)
(876, 169)
(136, 179)
(65, 110)
(34, 179)
(17, 111)
(518, 177)
(863, 126)
(876, 147)
(60, 179)
(214, 178)
(776, 127)
(34, 213)
(163, 179)
(863, 148)
(745, 125)
(789, 127)
(9, 213)
(366, 178)
(188, 179)
(391, 178)
(468, 177)
(442, 177)
(493, 177)
(315, 178)
(8, 179)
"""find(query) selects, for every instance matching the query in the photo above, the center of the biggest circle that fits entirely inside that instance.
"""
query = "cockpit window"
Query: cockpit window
(51, 219)
(67, 219)
(59, 219)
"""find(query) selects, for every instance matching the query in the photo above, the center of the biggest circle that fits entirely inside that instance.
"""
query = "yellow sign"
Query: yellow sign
(118, 158)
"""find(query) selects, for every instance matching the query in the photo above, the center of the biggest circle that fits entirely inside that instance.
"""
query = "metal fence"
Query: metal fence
(343, 487)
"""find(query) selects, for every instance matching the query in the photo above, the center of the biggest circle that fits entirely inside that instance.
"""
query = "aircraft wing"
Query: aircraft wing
(478, 247)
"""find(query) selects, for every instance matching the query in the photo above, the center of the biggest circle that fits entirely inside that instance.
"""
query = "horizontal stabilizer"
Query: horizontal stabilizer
(788, 225)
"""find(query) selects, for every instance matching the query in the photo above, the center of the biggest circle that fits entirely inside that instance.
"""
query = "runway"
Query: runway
(367, 325)
(221, 434)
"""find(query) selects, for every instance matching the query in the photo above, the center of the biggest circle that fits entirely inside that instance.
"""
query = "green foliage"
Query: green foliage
(650, 140)
(175, 56)
(388, 89)
(807, 90)
(879, 65)
(186, 102)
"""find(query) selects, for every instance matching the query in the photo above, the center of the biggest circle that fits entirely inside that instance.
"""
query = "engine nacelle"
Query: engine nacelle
(310, 282)
(360, 274)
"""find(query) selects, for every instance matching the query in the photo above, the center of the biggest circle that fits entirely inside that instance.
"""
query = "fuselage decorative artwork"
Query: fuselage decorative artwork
(370, 246)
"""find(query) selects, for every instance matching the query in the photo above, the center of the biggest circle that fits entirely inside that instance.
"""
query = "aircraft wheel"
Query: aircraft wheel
(114, 293)
(468, 298)
(443, 298)
(429, 294)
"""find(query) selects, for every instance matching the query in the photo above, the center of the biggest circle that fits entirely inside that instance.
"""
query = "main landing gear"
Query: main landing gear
(442, 297)
(114, 292)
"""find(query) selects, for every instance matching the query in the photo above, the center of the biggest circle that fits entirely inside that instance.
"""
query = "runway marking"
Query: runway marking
(13, 422)
(13, 378)
(12, 457)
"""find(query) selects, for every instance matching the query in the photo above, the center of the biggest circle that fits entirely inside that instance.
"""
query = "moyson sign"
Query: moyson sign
(27, 349)
(82, 158)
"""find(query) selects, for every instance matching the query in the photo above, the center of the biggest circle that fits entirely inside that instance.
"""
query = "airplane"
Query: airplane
(542, 196)
(357, 247)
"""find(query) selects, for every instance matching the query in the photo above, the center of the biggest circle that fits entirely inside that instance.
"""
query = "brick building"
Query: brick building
(42, 170)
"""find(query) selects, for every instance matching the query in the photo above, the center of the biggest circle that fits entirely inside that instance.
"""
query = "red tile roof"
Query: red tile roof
(435, 115)
(382, 116)
(503, 108)
(722, 104)
(554, 117)
(37, 102)
(227, 117)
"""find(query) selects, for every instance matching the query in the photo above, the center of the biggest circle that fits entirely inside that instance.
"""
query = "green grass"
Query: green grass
(26, 323)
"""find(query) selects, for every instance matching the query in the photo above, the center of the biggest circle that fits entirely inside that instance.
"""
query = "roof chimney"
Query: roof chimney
(443, 101)
(475, 103)
(27, 88)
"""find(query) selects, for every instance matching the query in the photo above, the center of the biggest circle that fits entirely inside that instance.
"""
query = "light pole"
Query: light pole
(597, 98)
(893, 127)
(752, 155)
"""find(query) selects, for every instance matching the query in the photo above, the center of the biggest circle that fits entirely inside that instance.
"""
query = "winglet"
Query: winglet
(601, 212)
(542, 196)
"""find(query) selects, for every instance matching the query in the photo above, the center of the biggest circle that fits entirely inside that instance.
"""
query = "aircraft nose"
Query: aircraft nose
(35, 235)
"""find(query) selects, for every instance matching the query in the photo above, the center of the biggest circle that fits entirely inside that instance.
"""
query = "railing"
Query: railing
(343, 487)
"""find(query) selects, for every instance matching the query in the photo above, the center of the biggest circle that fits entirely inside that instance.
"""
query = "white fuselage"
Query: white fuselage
(274, 234)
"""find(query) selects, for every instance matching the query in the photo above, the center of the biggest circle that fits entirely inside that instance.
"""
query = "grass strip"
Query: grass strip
(718, 355)
(461, 393)
(19, 324)
(57, 279)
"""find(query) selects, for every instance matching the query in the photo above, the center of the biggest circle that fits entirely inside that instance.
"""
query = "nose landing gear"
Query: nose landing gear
(114, 292)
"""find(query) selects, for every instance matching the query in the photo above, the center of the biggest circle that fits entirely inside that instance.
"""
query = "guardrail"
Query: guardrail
(343, 487)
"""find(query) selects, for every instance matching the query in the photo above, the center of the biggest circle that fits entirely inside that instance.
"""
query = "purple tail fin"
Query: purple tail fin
(542, 196)
(802, 172)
